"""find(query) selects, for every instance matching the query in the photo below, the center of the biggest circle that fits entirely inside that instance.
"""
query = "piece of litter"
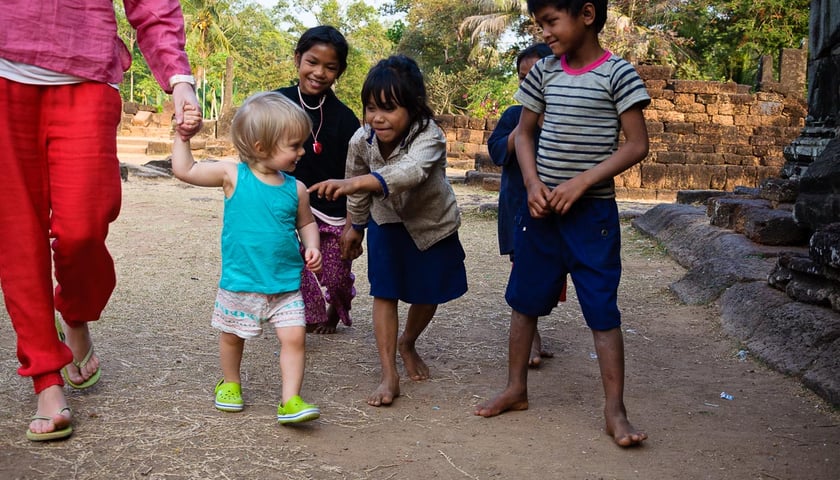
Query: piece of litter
(435, 408)
(593, 355)
(742, 355)
(630, 330)
(711, 404)
(726, 396)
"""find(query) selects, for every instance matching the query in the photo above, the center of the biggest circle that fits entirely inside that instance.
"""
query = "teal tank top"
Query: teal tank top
(260, 245)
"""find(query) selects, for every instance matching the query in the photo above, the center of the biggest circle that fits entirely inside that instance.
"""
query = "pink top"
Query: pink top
(79, 37)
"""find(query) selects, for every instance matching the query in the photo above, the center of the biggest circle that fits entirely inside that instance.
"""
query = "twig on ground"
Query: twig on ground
(455, 466)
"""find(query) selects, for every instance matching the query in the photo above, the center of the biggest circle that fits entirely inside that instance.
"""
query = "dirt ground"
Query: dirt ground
(152, 415)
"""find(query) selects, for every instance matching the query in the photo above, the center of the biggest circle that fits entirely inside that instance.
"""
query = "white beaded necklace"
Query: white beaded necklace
(316, 145)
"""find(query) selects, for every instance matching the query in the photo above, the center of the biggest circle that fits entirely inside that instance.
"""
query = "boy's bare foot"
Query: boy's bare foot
(414, 365)
(624, 434)
(501, 403)
(385, 393)
(80, 343)
(537, 352)
(52, 405)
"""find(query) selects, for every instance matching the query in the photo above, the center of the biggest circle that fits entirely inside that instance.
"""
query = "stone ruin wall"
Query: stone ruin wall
(703, 135)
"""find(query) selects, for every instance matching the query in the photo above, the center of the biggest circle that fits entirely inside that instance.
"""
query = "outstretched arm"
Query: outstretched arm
(310, 237)
(333, 189)
(205, 174)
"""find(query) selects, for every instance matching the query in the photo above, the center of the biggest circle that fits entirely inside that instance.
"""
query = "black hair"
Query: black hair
(397, 81)
(328, 35)
(537, 50)
(574, 7)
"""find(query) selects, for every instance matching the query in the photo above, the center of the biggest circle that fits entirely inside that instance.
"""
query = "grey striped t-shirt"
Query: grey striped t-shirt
(582, 109)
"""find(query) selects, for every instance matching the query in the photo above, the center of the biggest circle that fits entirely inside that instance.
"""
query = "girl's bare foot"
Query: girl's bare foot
(52, 405)
(537, 352)
(415, 367)
(327, 327)
(624, 434)
(501, 403)
(385, 393)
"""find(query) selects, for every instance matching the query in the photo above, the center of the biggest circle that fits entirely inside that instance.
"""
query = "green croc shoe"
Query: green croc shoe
(229, 396)
(297, 411)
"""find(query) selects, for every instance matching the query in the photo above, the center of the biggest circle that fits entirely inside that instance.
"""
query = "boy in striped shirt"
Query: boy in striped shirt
(587, 96)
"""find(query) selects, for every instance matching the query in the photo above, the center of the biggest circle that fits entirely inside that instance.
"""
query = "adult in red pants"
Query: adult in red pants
(60, 66)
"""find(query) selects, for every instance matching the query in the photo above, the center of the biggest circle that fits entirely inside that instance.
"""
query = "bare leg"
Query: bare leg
(51, 403)
(230, 356)
(515, 394)
(79, 340)
(292, 359)
(385, 326)
(419, 316)
(609, 345)
(537, 352)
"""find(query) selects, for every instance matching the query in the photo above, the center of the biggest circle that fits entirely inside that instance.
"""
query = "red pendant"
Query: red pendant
(316, 147)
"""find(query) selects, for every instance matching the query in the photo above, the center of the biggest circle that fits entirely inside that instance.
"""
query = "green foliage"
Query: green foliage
(491, 96)
(468, 70)
(728, 37)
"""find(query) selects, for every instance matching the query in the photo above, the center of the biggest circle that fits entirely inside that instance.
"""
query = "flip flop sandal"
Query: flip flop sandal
(80, 365)
(54, 435)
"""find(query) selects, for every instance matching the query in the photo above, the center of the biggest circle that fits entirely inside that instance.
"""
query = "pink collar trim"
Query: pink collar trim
(580, 71)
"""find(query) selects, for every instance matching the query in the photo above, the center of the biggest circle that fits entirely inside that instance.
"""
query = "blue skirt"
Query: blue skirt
(398, 270)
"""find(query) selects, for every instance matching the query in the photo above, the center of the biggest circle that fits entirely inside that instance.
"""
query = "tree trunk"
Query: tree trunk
(227, 94)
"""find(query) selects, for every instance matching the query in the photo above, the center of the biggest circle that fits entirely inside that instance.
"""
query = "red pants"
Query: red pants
(60, 190)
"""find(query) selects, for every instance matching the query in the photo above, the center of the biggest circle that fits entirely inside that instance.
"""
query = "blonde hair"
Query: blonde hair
(270, 119)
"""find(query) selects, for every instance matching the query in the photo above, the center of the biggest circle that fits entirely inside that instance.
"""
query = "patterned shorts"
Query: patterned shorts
(243, 313)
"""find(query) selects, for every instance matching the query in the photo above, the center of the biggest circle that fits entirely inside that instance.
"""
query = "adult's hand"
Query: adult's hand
(183, 94)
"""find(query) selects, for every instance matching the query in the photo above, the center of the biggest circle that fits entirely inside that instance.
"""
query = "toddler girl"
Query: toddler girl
(265, 211)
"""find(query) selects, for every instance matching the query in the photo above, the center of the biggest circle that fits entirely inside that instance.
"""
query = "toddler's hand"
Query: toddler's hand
(312, 258)
(183, 95)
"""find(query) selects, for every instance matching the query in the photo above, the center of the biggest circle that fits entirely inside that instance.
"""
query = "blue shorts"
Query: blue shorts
(398, 270)
(584, 243)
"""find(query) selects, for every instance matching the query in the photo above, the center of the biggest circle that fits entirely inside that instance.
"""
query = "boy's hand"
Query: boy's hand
(312, 259)
(538, 199)
(332, 189)
(351, 243)
(563, 196)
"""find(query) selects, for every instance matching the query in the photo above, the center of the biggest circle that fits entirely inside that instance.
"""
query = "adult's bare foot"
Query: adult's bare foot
(385, 393)
(415, 367)
(85, 362)
(537, 352)
(622, 432)
(507, 400)
(52, 410)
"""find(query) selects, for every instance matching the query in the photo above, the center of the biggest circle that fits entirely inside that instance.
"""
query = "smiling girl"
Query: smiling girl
(320, 59)
(397, 188)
